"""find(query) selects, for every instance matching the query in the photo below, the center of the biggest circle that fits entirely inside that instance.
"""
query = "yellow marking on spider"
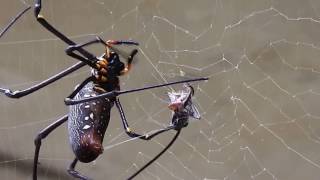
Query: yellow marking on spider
(104, 79)
(99, 89)
(103, 63)
(40, 16)
(103, 70)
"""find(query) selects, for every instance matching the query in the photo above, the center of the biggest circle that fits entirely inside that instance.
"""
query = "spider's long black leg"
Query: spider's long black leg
(117, 93)
(21, 93)
(129, 61)
(44, 23)
(79, 87)
(40, 18)
(42, 135)
(76, 47)
(132, 54)
(157, 156)
(133, 134)
(13, 21)
(123, 42)
(70, 50)
(75, 173)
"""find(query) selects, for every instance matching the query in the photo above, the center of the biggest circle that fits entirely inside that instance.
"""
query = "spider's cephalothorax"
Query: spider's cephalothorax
(107, 72)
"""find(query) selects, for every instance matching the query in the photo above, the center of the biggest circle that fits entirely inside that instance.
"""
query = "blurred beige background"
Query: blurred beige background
(260, 109)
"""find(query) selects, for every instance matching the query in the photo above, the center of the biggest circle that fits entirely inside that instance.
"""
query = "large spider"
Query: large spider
(91, 101)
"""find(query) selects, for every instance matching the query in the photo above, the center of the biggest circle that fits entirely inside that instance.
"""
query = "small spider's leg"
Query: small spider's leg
(157, 156)
(13, 21)
(117, 93)
(42, 135)
(40, 18)
(75, 173)
(129, 63)
(21, 93)
(78, 88)
(133, 134)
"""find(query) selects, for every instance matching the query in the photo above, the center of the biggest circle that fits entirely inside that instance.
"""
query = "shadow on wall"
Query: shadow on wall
(24, 168)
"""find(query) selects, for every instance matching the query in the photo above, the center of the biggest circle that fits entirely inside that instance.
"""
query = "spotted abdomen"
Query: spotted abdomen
(87, 125)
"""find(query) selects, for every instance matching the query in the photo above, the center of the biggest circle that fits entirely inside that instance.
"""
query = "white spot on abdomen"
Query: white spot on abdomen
(86, 127)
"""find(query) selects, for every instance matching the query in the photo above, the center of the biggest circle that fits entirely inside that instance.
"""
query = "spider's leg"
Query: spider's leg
(117, 93)
(157, 156)
(76, 47)
(123, 42)
(133, 134)
(129, 62)
(42, 135)
(21, 93)
(79, 87)
(132, 54)
(40, 18)
(70, 50)
(75, 173)
(13, 21)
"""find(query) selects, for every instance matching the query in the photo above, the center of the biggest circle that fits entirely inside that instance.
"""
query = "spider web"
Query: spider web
(260, 117)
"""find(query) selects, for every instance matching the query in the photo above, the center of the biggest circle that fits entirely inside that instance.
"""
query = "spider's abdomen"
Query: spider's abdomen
(87, 125)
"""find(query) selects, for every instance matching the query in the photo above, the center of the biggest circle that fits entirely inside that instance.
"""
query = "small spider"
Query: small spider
(183, 108)
(91, 101)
